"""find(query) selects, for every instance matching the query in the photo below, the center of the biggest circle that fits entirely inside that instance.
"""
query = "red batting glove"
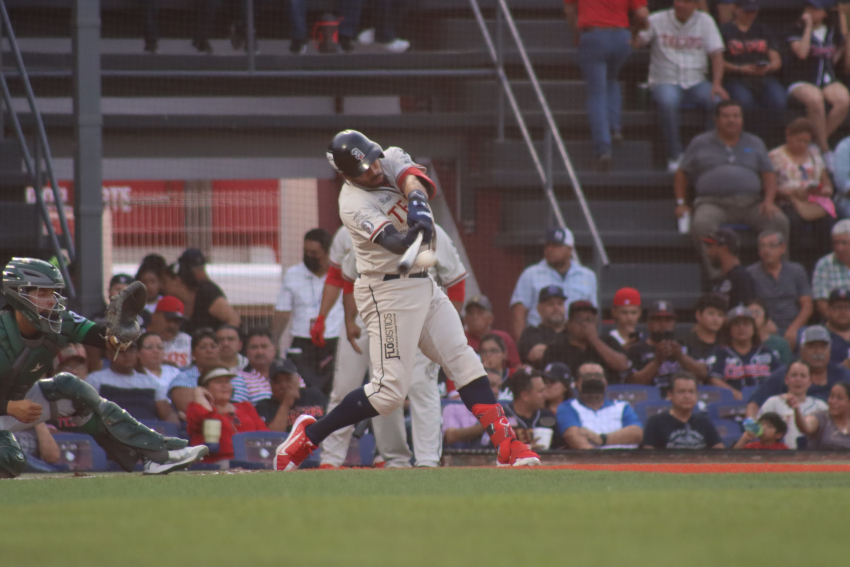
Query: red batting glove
(317, 333)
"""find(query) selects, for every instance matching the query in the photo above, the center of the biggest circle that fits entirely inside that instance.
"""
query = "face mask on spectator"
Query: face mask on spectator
(311, 263)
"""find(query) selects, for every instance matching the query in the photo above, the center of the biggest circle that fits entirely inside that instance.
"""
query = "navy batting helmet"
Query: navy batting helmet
(351, 153)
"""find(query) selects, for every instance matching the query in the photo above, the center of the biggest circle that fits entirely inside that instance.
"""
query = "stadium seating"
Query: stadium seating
(645, 410)
(258, 447)
(632, 393)
(735, 410)
(165, 428)
(712, 394)
(78, 453)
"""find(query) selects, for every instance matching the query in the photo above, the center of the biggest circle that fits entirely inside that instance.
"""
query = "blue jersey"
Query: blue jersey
(741, 370)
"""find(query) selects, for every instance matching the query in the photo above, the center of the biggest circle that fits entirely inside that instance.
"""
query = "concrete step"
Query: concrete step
(632, 155)
(465, 34)
(482, 96)
(680, 284)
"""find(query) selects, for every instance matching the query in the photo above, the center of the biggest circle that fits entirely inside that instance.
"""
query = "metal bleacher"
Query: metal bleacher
(448, 90)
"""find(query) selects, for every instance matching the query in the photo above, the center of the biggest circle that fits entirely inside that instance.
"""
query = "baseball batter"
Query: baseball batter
(34, 326)
(384, 206)
(353, 362)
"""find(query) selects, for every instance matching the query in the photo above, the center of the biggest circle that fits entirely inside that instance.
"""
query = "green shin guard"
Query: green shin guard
(124, 439)
(12, 458)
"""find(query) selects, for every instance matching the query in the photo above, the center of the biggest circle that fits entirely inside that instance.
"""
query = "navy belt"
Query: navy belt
(390, 277)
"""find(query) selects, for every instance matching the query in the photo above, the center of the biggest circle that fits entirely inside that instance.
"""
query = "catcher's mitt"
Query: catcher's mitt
(122, 324)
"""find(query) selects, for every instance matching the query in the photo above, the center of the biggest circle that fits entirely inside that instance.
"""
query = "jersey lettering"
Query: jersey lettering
(396, 211)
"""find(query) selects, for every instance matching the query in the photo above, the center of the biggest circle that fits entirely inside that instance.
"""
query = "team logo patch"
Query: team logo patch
(358, 155)
(367, 226)
(390, 336)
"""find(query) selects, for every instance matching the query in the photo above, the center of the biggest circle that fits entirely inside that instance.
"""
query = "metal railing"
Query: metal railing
(552, 134)
(42, 163)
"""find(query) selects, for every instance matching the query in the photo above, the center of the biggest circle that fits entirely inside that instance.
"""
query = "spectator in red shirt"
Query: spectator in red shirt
(604, 45)
(478, 322)
(773, 429)
(212, 401)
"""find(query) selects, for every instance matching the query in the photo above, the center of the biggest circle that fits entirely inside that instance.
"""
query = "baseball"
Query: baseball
(426, 259)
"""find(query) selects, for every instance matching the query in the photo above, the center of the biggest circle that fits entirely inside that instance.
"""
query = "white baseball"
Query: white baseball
(425, 259)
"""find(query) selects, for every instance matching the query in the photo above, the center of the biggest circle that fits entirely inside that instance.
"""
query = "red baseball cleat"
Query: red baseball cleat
(297, 447)
(515, 453)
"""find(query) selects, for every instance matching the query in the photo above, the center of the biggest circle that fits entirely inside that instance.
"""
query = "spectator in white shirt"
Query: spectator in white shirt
(165, 322)
(298, 303)
(798, 378)
(152, 357)
(682, 40)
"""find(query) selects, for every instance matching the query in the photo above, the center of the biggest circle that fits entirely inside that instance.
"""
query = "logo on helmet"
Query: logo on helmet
(358, 155)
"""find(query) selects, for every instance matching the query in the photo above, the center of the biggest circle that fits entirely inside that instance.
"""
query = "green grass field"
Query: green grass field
(427, 517)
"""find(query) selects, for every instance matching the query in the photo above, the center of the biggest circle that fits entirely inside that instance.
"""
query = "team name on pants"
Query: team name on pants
(390, 336)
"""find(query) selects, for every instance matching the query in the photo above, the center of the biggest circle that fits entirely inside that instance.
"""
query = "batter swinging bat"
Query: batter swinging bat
(409, 257)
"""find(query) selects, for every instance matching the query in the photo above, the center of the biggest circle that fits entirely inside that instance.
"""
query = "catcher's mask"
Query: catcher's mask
(33, 287)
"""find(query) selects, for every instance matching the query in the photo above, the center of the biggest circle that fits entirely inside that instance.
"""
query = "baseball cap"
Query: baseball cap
(577, 306)
(69, 352)
(724, 236)
(739, 311)
(560, 236)
(215, 373)
(171, 307)
(192, 257)
(557, 372)
(748, 5)
(282, 366)
(626, 296)
(125, 279)
(661, 308)
(479, 300)
(549, 292)
(815, 334)
(839, 295)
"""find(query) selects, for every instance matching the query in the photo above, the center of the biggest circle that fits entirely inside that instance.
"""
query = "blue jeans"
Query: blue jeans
(763, 100)
(348, 27)
(602, 54)
(670, 99)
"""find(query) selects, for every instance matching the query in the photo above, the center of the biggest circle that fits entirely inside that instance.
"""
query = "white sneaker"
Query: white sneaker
(177, 459)
(829, 161)
(673, 164)
(397, 45)
(366, 37)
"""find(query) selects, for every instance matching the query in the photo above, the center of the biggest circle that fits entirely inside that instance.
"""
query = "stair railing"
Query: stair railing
(552, 132)
(34, 167)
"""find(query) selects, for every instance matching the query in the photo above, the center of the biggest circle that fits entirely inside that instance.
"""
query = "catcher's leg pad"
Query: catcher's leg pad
(123, 438)
(12, 458)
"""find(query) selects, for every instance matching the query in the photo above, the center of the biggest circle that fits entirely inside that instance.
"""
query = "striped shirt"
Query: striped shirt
(829, 274)
(189, 379)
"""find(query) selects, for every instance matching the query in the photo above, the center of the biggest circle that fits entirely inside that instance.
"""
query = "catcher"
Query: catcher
(34, 326)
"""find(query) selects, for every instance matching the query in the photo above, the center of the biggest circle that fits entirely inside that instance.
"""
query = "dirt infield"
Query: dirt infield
(710, 468)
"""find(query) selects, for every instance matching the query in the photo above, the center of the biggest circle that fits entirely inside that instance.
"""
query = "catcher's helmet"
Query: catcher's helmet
(351, 153)
(21, 277)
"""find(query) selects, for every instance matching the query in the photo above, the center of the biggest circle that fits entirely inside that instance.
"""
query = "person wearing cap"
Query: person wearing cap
(478, 322)
(833, 270)
(299, 302)
(205, 302)
(166, 321)
(735, 282)
(751, 66)
(742, 360)
(655, 359)
(558, 382)
(810, 72)
(581, 343)
(626, 310)
(117, 284)
(74, 359)
(604, 39)
(733, 179)
(527, 412)
(838, 323)
(682, 41)
(783, 285)
(815, 345)
(290, 397)
(590, 421)
(557, 268)
(710, 313)
(553, 320)
(212, 399)
(681, 427)
(141, 395)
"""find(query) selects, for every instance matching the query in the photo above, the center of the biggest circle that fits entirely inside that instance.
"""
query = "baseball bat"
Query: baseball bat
(409, 257)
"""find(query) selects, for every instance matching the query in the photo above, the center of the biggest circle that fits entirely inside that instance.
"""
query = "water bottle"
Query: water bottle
(685, 223)
(752, 426)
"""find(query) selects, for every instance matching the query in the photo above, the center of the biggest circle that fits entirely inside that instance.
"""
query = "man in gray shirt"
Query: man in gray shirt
(733, 178)
(783, 286)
